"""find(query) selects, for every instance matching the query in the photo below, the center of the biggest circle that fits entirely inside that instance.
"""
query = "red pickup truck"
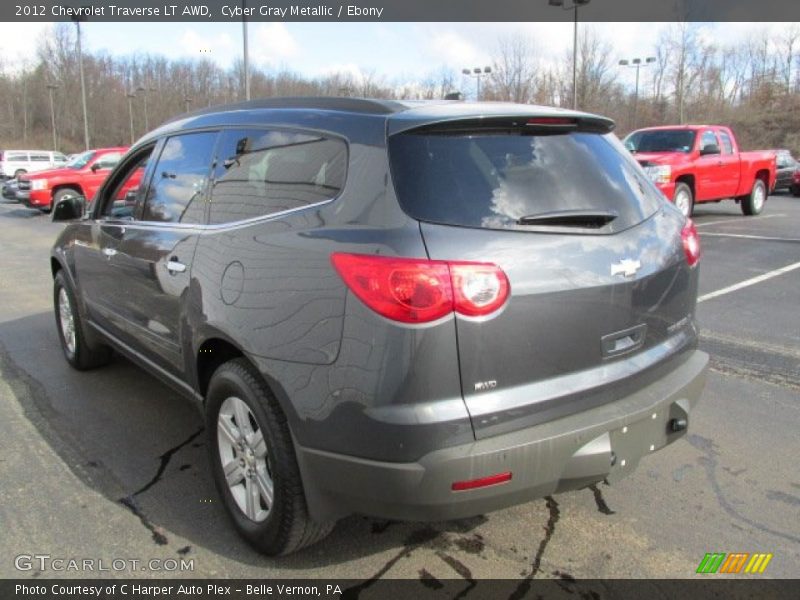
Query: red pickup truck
(702, 163)
(83, 176)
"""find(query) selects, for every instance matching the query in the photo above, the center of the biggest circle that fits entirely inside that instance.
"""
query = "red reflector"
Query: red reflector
(460, 486)
(691, 243)
(552, 121)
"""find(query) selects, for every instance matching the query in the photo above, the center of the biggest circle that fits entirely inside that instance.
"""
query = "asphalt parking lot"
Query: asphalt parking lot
(111, 464)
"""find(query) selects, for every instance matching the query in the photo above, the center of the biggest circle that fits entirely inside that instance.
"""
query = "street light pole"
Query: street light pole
(145, 91)
(83, 84)
(51, 87)
(131, 96)
(246, 54)
(477, 73)
(637, 64)
(573, 7)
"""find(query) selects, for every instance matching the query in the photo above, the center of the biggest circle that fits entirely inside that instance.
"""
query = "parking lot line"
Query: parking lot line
(765, 238)
(737, 220)
(749, 282)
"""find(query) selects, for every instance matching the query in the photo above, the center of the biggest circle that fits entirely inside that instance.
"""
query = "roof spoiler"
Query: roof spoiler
(524, 124)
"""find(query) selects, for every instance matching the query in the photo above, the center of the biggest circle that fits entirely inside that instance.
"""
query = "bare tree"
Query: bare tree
(514, 70)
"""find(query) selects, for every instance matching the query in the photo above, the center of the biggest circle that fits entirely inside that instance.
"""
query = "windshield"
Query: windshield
(500, 180)
(661, 140)
(80, 160)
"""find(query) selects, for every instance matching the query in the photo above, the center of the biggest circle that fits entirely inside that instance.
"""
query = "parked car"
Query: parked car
(82, 176)
(418, 311)
(10, 187)
(795, 188)
(14, 163)
(787, 166)
(700, 163)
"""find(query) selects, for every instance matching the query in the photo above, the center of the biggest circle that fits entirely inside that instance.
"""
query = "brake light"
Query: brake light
(412, 290)
(552, 121)
(691, 243)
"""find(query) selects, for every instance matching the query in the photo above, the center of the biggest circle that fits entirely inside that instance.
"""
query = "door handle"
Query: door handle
(173, 266)
(109, 252)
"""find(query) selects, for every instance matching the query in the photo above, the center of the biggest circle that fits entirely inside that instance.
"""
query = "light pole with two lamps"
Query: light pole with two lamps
(573, 7)
(637, 63)
(477, 73)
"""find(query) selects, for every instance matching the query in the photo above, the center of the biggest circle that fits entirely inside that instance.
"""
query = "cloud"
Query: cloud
(453, 49)
(18, 44)
(272, 43)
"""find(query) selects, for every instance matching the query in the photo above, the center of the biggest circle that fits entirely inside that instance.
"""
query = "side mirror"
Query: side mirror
(709, 149)
(69, 208)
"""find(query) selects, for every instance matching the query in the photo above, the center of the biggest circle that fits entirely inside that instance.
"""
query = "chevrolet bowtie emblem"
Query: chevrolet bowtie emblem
(626, 267)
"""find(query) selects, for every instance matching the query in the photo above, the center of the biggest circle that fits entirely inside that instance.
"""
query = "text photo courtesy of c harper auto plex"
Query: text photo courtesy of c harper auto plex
(399, 299)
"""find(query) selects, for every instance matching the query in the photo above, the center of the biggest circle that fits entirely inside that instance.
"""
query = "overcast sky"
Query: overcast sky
(399, 51)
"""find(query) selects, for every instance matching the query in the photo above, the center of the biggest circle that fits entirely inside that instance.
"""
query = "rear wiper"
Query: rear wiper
(589, 219)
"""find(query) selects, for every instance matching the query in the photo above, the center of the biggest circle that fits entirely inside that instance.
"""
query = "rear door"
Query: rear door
(601, 294)
(729, 167)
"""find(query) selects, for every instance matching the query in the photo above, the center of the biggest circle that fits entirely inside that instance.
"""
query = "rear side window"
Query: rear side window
(40, 158)
(16, 157)
(260, 173)
(180, 179)
(727, 146)
(496, 180)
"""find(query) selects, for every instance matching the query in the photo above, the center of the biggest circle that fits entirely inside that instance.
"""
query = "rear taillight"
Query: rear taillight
(691, 243)
(412, 290)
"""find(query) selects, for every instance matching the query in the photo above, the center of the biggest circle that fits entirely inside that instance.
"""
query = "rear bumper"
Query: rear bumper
(565, 454)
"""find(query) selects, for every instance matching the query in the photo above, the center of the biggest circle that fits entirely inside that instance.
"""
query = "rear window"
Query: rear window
(496, 180)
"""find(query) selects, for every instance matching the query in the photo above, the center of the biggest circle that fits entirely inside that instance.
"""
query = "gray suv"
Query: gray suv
(406, 310)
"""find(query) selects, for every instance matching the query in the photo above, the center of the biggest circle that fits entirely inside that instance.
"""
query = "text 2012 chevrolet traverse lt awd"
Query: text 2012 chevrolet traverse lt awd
(407, 310)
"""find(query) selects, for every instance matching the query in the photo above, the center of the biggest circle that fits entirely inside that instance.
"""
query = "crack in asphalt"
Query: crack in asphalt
(462, 570)
(751, 360)
(414, 541)
(600, 501)
(525, 585)
(130, 501)
(710, 463)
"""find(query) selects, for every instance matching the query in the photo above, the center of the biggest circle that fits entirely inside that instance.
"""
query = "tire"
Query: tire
(684, 199)
(754, 203)
(60, 195)
(78, 350)
(275, 527)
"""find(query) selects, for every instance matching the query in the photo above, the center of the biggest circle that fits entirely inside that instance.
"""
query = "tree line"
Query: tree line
(752, 85)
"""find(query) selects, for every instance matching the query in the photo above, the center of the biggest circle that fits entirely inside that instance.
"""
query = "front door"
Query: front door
(149, 256)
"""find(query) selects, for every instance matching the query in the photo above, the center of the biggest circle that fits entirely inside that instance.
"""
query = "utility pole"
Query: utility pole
(83, 84)
(245, 53)
(51, 87)
(131, 96)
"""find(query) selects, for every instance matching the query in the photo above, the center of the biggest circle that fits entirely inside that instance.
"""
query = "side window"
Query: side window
(727, 145)
(16, 157)
(40, 157)
(179, 179)
(108, 161)
(59, 158)
(708, 139)
(129, 192)
(260, 172)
